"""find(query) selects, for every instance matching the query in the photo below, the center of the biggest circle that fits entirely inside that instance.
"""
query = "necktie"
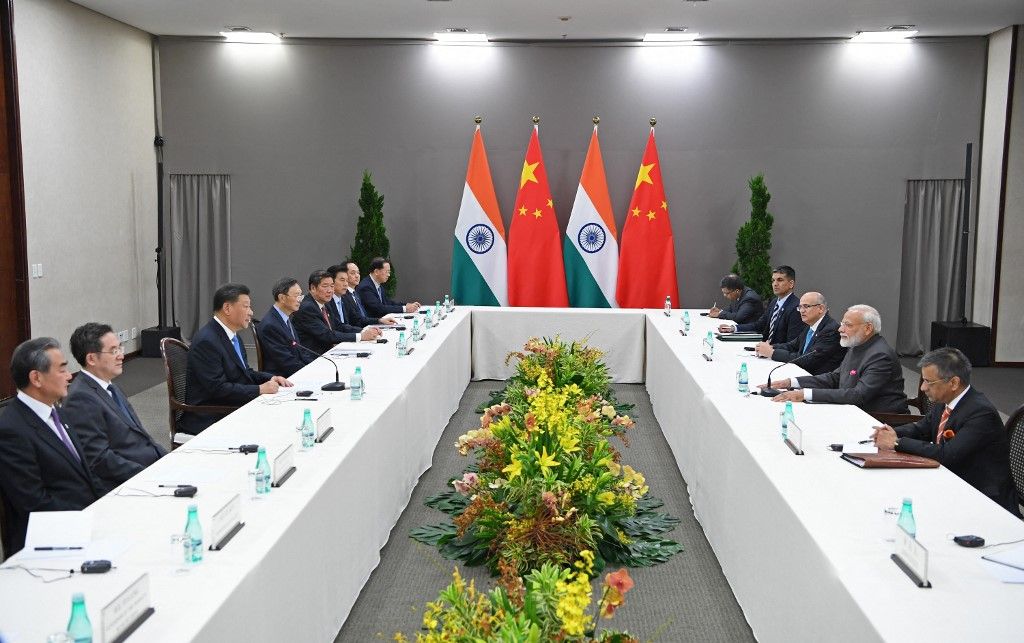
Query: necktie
(380, 294)
(238, 349)
(122, 404)
(942, 425)
(291, 331)
(775, 318)
(327, 319)
(807, 342)
(359, 305)
(341, 309)
(63, 435)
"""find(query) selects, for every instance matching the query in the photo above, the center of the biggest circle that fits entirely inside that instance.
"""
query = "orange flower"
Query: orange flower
(620, 581)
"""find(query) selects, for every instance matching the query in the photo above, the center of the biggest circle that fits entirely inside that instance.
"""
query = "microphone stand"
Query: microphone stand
(767, 391)
(337, 384)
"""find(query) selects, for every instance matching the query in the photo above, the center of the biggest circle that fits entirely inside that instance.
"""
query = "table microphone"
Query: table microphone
(337, 384)
(772, 392)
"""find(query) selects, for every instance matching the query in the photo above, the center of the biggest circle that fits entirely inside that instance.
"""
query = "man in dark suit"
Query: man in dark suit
(42, 465)
(819, 341)
(963, 430)
(371, 292)
(313, 322)
(281, 352)
(115, 443)
(870, 376)
(747, 305)
(780, 321)
(343, 306)
(218, 371)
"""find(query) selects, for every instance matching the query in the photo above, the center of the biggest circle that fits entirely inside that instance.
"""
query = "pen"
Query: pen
(56, 548)
(868, 441)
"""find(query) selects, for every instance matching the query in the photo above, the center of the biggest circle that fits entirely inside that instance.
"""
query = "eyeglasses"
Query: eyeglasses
(934, 382)
(115, 351)
(846, 324)
(807, 306)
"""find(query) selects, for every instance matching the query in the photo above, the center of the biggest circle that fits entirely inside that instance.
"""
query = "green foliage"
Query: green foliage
(371, 236)
(754, 240)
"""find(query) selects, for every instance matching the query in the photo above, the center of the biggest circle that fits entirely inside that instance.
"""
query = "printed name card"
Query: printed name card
(707, 347)
(226, 523)
(324, 426)
(127, 611)
(912, 557)
(283, 465)
(795, 438)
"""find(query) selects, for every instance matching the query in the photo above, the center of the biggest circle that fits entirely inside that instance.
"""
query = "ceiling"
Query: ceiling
(540, 19)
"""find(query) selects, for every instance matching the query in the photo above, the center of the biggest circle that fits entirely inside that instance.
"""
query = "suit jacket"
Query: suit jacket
(313, 331)
(870, 376)
(354, 314)
(377, 305)
(38, 472)
(116, 447)
(280, 355)
(979, 451)
(215, 376)
(826, 342)
(745, 310)
(787, 327)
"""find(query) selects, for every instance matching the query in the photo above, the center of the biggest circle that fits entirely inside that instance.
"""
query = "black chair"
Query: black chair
(1015, 431)
(175, 354)
(921, 402)
(259, 347)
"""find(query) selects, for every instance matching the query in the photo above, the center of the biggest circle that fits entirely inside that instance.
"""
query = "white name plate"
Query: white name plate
(283, 465)
(795, 438)
(911, 557)
(708, 348)
(127, 611)
(226, 523)
(324, 426)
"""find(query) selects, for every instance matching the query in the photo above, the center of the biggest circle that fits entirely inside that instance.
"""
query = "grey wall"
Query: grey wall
(837, 129)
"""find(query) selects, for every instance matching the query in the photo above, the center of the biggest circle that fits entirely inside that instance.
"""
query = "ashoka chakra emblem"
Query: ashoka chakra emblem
(592, 237)
(480, 238)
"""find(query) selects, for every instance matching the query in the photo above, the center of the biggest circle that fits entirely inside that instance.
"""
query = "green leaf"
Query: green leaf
(451, 502)
(435, 535)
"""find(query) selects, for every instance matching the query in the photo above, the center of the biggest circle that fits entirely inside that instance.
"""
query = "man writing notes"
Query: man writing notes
(342, 307)
(819, 340)
(747, 305)
(870, 375)
(115, 443)
(963, 430)
(42, 465)
(281, 352)
(780, 321)
(371, 292)
(218, 371)
(313, 319)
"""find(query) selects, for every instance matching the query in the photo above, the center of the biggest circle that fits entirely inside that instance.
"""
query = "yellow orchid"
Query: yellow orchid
(514, 468)
(569, 444)
(546, 461)
(606, 498)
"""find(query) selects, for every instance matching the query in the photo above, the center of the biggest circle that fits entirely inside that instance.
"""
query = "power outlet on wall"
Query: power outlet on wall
(135, 332)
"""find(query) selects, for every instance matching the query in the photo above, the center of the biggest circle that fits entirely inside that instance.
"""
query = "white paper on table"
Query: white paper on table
(58, 529)
(347, 352)
(860, 448)
(1013, 557)
(181, 474)
(100, 549)
(1002, 572)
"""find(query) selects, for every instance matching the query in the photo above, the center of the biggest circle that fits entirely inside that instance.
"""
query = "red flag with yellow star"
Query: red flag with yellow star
(647, 256)
(536, 275)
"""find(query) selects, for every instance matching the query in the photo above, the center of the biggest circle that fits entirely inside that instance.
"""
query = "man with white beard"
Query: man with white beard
(869, 376)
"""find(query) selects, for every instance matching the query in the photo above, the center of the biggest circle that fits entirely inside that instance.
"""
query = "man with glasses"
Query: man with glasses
(313, 319)
(371, 292)
(819, 341)
(870, 375)
(115, 443)
(278, 339)
(780, 322)
(963, 430)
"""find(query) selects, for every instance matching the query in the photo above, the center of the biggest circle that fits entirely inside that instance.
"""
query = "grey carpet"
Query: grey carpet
(151, 407)
(686, 599)
(141, 373)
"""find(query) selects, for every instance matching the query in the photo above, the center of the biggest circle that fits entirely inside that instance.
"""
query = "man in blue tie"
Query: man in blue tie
(115, 443)
(218, 371)
(280, 343)
(780, 321)
(371, 292)
(819, 341)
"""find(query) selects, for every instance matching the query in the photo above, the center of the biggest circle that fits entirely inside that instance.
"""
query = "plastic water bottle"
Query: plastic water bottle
(448, 303)
(355, 384)
(416, 335)
(744, 379)
(403, 347)
(79, 625)
(428, 320)
(308, 432)
(906, 519)
(439, 313)
(265, 478)
(785, 417)
(194, 533)
(686, 321)
(668, 306)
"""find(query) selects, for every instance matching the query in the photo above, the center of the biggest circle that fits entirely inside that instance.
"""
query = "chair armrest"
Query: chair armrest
(896, 419)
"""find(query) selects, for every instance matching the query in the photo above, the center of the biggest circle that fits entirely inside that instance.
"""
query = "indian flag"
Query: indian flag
(591, 245)
(479, 260)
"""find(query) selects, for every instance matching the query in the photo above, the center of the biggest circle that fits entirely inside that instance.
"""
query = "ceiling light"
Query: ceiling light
(245, 34)
(890, 35)
(459, 35)
(671, 35)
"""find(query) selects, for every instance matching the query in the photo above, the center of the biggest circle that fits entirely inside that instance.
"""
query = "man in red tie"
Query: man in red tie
(313, 323)
(963, 431)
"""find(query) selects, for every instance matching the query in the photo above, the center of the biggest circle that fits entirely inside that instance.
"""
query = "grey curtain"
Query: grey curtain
(931, 277)
(200, 224)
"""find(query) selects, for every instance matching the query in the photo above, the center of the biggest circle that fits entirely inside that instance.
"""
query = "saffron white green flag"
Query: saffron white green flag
(591, 246)
(479, 259)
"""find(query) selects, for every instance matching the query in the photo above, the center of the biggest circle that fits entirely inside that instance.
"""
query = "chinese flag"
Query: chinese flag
(647, 257)
(536, 275)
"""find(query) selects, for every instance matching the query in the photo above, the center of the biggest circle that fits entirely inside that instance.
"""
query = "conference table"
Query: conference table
(804, 541)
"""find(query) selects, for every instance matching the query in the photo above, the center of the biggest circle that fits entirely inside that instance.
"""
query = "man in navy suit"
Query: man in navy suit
(313, 322)
(115, 443)
(963, 430)
(819, 341)
(218, 371)
(42, 465)
(281, 352)
(371, 292)
(747, 305)
(343, 307)
(780, 321)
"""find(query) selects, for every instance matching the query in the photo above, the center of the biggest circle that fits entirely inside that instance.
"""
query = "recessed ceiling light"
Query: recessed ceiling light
(895, 35)
(672, 34)
(245, 34)
(459, 35)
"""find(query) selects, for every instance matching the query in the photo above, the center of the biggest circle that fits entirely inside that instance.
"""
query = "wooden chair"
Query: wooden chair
(1015, 431)
(259, 347)
(921, 402)
(175, 355)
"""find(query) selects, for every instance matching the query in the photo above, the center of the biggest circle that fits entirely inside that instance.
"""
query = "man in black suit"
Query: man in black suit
(780, 321)
(819, 341)
(42, 465)
(218, 371)
(115, 443)
(371, 292)
(343, 307)
(281, 352)
(313, 322)
(963, 430)
(747, 305)
(870, 375)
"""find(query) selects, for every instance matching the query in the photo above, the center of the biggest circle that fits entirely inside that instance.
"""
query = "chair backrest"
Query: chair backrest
(175, 354)
(259, 347)
(921, 402)
(1015, 431)
(3, 530)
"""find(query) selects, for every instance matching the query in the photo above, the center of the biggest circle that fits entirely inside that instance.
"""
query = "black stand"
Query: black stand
(283, 479)
(227, 537)
(333, 386)
(706, 356)
(682, 332)
(909, 572)
(324, 435)
(136, 624)
(793, 447)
